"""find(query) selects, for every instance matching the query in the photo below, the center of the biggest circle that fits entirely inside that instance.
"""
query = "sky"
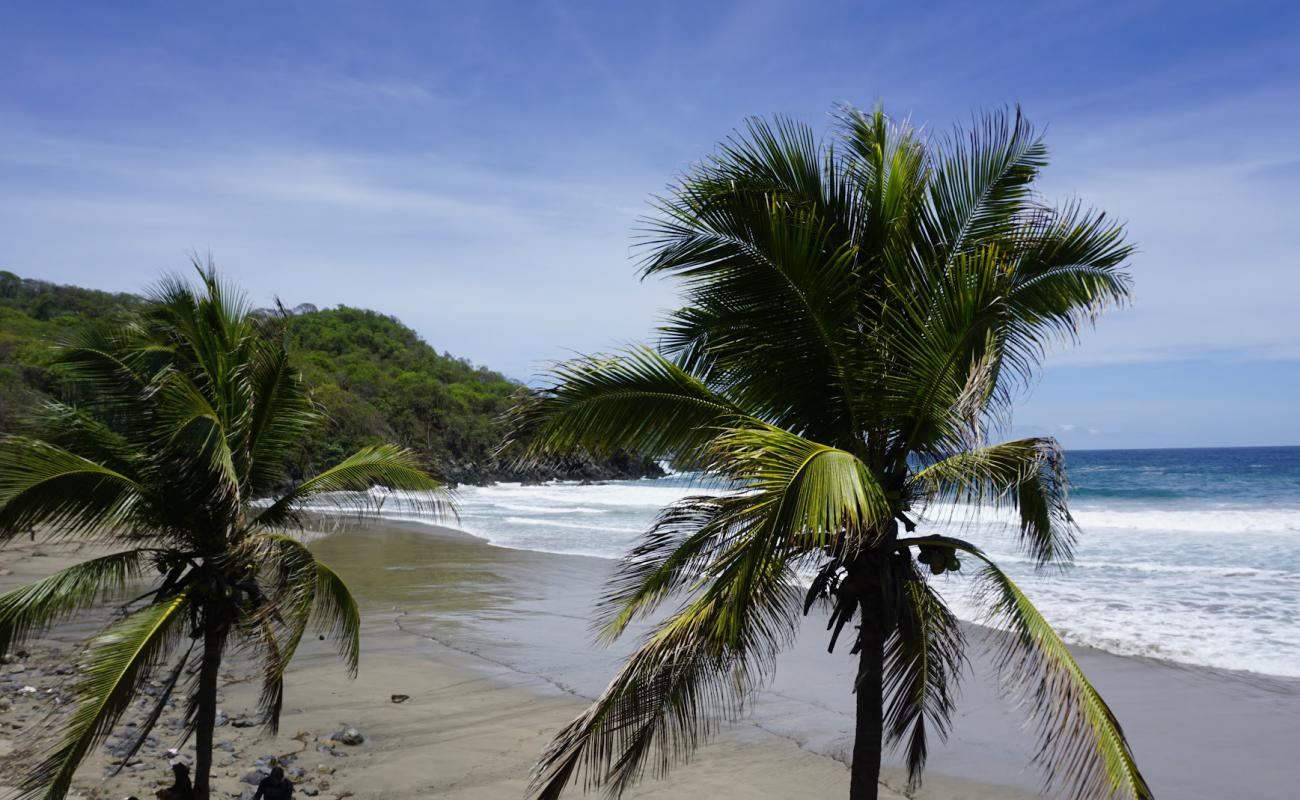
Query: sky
(478, 169)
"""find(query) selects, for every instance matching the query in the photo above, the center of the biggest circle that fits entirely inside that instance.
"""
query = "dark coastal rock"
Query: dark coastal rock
(349, 736)
(253, 777)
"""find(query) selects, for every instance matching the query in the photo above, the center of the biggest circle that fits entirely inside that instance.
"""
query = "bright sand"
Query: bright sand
(492, 647)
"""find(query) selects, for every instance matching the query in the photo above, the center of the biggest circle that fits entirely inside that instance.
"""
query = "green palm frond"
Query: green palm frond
(345, 487)
(161, 700)
(1069, 268)
(637, 401)
(767, 268)
(1025, 474)
(125, 655)
(820, 495)
(982, 182)
(1084, 751)
(189, 422)
(338, 615)
(41, 484)
(108, 366)
(924, 659)
(299, 588)
(280, 413)
(947, 339)
(75, 429)
(288, 571)
(26, 611)
(685, 542)
(883, 186)
(693, 672)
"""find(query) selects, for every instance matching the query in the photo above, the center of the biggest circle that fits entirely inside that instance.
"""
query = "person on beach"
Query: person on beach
(274, 786)
(181, 788)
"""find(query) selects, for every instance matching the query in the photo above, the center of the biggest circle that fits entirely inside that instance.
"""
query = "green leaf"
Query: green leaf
(41, 484)
(344, 487)
(1026, 474)
(1084, 751)
(637, 401)
(26, 611)
(820, 494)
(116, 663)
(924, 659)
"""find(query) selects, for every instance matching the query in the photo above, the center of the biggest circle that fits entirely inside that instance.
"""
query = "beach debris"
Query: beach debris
(400, 698)
(348, 735)
(243, 722)
(310, 791)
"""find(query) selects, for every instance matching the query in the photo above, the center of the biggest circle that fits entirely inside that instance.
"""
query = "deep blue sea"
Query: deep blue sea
(1189, 555)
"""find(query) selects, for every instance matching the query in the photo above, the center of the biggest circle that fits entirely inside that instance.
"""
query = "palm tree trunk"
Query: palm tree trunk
(206, 717)
(869, 689)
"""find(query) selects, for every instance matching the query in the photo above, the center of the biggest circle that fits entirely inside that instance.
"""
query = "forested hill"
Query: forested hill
(376, 378)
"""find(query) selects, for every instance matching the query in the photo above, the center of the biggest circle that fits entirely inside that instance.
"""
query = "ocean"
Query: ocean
(1190, 555)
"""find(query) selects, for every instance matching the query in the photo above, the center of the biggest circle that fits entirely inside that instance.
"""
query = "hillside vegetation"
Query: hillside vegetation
(376, 379)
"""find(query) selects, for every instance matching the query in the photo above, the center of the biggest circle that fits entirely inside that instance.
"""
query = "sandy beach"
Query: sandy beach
(492, 647)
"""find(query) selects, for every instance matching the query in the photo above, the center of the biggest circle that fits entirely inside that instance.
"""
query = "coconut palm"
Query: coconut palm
(172, 453)
(858, 314)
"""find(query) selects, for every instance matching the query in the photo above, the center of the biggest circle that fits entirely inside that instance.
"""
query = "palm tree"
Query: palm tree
(858, 314)
(172, 453)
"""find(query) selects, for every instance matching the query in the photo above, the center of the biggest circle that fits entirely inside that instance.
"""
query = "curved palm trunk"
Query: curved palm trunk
(206, 716)
(868, 689)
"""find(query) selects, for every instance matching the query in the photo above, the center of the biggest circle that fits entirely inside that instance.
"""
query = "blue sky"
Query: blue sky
(477, 169)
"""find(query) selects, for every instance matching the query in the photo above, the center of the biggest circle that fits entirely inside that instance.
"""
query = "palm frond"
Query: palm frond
(687, 539)
(637, 401)
(338, 615)
(1025, 474)
(982, 182)
(820, 495)
(298, 589)
(161, 699)
(1084, 752)
(1068, 269)
(116, 663)
(28, 610)
(693, 672)
(346, 485)
(768, 274)
(41, 484)
(281, 412)
(924, 659)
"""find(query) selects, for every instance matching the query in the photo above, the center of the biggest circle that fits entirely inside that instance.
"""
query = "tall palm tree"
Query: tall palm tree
(858, 314)
(172, 453)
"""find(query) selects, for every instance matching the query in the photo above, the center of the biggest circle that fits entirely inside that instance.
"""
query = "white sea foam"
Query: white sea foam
(1210, 585)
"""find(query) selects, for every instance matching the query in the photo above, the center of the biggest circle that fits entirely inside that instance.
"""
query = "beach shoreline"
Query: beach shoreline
(491, 645)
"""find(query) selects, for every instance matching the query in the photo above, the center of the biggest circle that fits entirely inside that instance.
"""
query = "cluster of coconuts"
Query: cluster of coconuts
(939, 559)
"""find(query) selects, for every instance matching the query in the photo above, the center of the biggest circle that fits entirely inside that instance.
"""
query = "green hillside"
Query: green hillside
(377, 380)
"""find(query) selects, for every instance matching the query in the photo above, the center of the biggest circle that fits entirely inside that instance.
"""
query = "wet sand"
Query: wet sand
(492, 646)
